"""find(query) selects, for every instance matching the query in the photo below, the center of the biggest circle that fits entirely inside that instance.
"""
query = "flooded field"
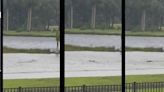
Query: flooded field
(134, 41)
(83, 40)
(144, 63)
(88, 63)
(93, 40)
(81, 64)
(114, 41)
(29, 42)
(21, 65)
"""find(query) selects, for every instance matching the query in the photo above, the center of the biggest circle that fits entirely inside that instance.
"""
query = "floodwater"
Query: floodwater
(93, 40)
(83, 40)
(24, 66)
(114, 41)
(90, 63)
(134, 41)
(81, 64)
(144, 63)
(29, 42)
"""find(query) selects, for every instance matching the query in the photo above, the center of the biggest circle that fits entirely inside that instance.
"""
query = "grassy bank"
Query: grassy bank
(13, 50)
(82, 48)
(115, 32)
(146, 49)
(32, 33)
(145, 33)
(79, 81)
(94, 32)
(85, 31)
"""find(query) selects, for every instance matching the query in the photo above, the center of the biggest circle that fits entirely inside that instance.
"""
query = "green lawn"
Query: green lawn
(145, 78)
(32, 33)
(79, 81)
(31, 83)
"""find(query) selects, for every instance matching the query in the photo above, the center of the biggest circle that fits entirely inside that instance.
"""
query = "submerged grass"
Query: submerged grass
(67, 48)
(146, 49)
(14, 50)
(80, 48)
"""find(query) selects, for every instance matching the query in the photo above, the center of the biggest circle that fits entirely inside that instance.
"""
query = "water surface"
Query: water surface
(83, 40)
(81, 64)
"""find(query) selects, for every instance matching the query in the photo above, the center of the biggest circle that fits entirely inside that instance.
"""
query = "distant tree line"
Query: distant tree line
(41, 14)
(30, 14)
(92, 13)
(144, 15)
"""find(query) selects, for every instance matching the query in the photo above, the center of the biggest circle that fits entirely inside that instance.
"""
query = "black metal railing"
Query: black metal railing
(130, 87)
(145, 87)
(32, 89)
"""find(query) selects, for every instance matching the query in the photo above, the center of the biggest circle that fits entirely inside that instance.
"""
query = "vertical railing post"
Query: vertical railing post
(84, 88)
(134, 87)
(19, 89)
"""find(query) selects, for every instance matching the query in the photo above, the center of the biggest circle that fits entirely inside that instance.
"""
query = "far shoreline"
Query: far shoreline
(113, 32)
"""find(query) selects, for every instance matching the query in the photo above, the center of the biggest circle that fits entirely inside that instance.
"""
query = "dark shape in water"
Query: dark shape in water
(149, 61)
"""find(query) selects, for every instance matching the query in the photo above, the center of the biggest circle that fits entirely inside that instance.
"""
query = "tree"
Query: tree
(93, 14)
(7, 5)
(42, 14)
(29, 14)
(144, 14)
